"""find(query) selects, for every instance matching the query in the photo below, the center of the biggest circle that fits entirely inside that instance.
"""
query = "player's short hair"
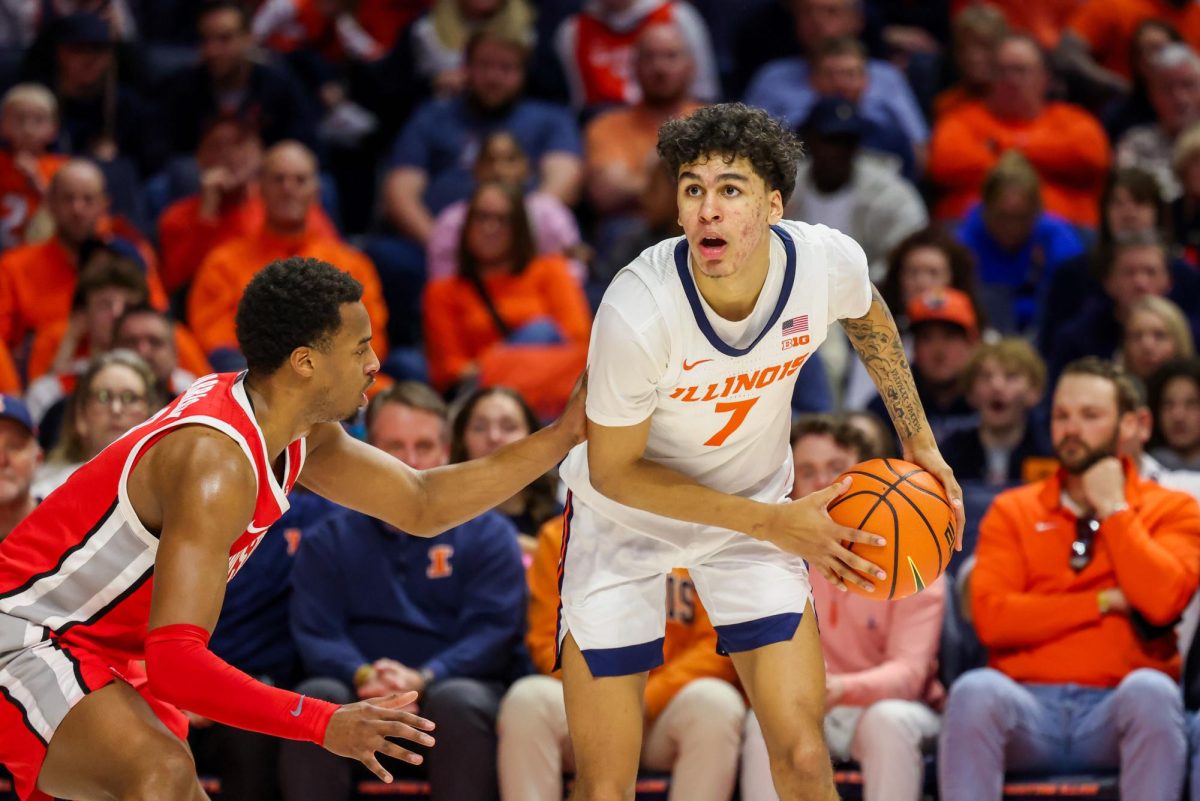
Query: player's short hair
(291, 303)
(33, 94)
(1012, 353)
(843, 433)
(411, 394)
(730, 131)
(1128, 395)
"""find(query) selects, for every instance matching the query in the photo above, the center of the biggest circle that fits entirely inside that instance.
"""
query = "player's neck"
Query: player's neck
(734, 296)
(278, 412)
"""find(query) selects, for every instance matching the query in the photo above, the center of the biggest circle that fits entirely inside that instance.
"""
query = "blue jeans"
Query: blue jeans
(538, 331)
(1194, 751)
(993, 724)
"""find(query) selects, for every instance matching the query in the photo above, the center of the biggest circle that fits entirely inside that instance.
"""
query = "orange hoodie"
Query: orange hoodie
(1041, 620)
(690, 649)
(224, 274)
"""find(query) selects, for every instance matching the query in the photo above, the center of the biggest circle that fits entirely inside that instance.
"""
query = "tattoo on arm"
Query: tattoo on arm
(875, 338)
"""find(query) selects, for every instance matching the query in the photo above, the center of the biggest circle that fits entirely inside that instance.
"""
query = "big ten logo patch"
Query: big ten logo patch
(439, 562)
(681, 599)
(796, 342)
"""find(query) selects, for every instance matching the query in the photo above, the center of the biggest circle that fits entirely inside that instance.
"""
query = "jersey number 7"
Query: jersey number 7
(740, 409)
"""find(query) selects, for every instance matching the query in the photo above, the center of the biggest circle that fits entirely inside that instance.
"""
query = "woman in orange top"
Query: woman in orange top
(508, 316)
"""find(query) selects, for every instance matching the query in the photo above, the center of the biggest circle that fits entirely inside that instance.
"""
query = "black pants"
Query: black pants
(461, 767)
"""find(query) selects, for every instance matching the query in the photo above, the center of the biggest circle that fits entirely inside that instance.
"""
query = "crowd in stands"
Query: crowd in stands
(1023, 177)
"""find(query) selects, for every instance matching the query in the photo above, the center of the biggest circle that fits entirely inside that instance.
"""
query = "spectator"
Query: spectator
(1136, 267)
(880, 659)
(100, 115)
(509, 317)
(841, 187)
(596, 50)
(1174, 394)
(289, 191)
(945, 333)
(786, 89)
(1044, 21)
(487, 420)
(20, 457)
(925, 260)
(1155, 333)
(115, 393)
(363, 30)
(1174, 89)
(28, 127)
(161, 342)
(377, 611)
(618, 142)
(1017, 244)
(38, 281)
(877, 433)
(1064, 144)
(254, 636)
(693, 712)
(440, 36)
(658, 219)
(228, 206)
(1097, 44)
(1077, 583)
(1134, 108)
(1185, 209)
(433, 156)
(228, 81)
(1005, 381)
(977, 30)
(554, 228)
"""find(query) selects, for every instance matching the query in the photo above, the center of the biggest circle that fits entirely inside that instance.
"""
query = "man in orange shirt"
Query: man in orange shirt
(289, 191)
(38, 281)
(28, 126)
(1065, 144)
(618, 143)
(1078, 582)
(1096, 43)
(228, 205)
(694, 714)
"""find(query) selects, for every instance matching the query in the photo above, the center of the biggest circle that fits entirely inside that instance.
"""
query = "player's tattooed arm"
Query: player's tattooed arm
(877, 341)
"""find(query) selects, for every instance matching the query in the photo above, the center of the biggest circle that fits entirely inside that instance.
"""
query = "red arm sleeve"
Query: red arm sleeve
(184, 672)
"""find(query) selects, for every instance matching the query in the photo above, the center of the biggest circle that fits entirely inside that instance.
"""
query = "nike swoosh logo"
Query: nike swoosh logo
(1042, 525)
(299, 706)
(687, 366)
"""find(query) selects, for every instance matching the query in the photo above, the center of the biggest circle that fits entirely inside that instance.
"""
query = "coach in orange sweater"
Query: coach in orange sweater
(1077, 584)
(693, 712)
(289, 190)
(1065, 144)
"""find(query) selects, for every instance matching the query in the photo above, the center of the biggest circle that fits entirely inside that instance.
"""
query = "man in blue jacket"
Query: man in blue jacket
(376, 611)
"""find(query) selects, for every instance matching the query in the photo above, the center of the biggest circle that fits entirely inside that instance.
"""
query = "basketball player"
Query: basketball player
(129, 559)
(694, 353)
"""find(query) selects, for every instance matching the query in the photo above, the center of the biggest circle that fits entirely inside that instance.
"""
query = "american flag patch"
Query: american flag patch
(796, 325)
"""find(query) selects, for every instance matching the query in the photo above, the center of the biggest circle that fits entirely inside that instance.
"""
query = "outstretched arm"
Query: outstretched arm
(426, 503)
(877, 341)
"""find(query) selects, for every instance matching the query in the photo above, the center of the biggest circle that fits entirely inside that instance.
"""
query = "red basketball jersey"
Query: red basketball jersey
(80, 568)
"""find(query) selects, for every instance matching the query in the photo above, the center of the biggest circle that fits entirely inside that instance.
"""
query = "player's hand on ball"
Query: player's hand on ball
(362, 730)
(805, 528)
(931, 459)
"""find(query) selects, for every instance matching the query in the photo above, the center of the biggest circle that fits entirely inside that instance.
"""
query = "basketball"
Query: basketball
(906, 505)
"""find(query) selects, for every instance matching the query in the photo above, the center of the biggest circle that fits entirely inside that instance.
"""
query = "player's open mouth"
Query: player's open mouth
(711, 247)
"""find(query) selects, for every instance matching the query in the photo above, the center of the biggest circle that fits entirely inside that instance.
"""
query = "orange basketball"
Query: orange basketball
(907, 506)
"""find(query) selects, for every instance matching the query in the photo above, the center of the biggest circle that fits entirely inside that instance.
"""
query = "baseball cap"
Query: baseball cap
(82, 27)
(833, 116)
(13, 408)
(945, 305)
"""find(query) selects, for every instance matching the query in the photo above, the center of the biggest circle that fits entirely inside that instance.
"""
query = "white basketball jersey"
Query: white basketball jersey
(720, 411)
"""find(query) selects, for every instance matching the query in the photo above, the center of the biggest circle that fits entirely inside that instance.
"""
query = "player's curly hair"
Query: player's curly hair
(733, 130)
(291, 303)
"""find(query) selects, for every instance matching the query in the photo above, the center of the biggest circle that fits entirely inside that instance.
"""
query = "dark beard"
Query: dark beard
(1090, 458)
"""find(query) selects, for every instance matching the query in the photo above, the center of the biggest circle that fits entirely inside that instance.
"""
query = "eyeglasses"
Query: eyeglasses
(1081, 548)
(108, 398)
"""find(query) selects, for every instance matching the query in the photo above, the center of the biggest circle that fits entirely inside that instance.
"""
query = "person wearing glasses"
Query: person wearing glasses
(1078, 582)
(116, 392)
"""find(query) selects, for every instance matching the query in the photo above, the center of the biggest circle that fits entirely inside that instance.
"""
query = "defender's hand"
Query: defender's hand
(573, 423)
(931, 459)
(361, 730)
(804, 527)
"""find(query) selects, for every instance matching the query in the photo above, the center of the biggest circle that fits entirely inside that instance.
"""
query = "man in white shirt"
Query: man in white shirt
(694, 353)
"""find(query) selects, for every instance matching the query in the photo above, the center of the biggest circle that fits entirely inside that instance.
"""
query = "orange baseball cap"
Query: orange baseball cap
(945, 305)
